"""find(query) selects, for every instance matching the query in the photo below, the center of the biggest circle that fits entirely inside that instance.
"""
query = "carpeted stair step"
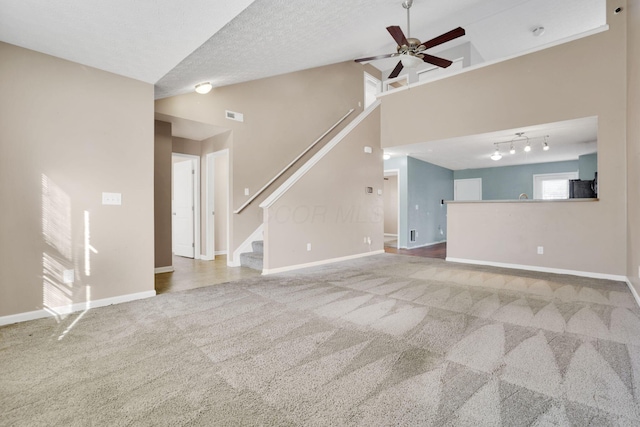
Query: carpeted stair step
(251, 260)
(258, 246)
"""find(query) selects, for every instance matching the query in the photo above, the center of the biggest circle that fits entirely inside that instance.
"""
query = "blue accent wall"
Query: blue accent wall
(428, 186)
(425, 185)
(508, 182)
(588, 166)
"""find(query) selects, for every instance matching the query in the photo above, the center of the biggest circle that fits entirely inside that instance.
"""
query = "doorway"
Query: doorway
(391, 207)
(185, 218)
(372, 87)
(467, 189)
(217, 204)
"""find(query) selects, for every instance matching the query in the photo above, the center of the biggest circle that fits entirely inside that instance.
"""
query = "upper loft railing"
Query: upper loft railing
(286, 168)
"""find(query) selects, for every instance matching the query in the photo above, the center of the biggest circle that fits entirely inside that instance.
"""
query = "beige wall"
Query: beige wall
(162, 194)
(328, 206)
(391, 204)
(560, 83)
(282, 116)
(633, 143)
(68, 133)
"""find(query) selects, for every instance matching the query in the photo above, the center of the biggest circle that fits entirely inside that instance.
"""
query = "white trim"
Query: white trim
(196, 199)
(390, 235)
(426, 244)
(210, 251)
(167, 269)
(279, 192)
(396, 173)
(496, 61)
(246, 246)
(81, 306)
(212, 258)
(317, 263)
(633, 291)
(369, 78)
(593, 275)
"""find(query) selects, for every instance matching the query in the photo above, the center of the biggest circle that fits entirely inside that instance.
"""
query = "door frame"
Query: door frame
(209, 225)
(195, 163)
(396, 172)
(369, 78)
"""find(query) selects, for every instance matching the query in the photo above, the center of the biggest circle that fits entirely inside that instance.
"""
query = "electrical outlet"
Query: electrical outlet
(540, 250)
(369, 240)
(308, 246)
(416, 207)
(246, 191)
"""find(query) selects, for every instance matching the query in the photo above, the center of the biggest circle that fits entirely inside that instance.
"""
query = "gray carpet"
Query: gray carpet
(386, 340)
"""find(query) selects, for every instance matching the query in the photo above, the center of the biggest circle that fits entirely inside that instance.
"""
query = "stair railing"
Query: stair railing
(286, 168)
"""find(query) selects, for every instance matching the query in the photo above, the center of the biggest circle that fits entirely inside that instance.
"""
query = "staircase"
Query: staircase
(253, 259)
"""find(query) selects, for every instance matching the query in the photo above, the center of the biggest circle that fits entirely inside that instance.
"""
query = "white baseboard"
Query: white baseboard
(425, 245)
(167, 269)
(211, 258)
(633, 291)
(593, 275)
(317, 263)
(81, 306)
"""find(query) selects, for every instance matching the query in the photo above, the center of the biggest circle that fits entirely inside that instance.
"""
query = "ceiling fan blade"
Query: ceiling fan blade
(398, 35)
(443, 38)
(396, 70)
(440, 62)
(373, 58)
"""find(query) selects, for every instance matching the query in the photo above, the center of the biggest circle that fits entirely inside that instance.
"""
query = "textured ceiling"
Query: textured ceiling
(178, 44)
(141, 39)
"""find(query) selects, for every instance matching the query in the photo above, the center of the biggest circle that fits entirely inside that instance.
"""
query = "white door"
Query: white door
(183, 209)
(467, 189)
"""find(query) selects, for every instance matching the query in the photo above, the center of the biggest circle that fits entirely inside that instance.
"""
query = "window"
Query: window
(552, 186)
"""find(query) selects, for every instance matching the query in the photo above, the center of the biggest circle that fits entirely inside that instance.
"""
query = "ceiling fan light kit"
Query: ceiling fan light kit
(411, 50)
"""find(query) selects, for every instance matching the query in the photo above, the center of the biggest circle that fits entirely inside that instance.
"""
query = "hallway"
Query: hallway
(438, 250)
(193, 273)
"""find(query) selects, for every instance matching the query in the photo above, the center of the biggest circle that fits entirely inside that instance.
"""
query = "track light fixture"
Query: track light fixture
(520, 137)
(496, 155)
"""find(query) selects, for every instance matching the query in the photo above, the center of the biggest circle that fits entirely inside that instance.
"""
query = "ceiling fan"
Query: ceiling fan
(411, 51)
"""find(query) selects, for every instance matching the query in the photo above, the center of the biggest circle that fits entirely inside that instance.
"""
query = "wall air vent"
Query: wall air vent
(231, 115)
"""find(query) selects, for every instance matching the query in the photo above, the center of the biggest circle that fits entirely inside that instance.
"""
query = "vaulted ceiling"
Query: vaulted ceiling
(175, 45)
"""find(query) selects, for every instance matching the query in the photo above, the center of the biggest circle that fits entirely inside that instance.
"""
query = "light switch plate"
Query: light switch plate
(68, 276)
(111, 198)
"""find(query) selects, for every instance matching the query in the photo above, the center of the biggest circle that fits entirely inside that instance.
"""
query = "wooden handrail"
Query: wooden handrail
(286, 168)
